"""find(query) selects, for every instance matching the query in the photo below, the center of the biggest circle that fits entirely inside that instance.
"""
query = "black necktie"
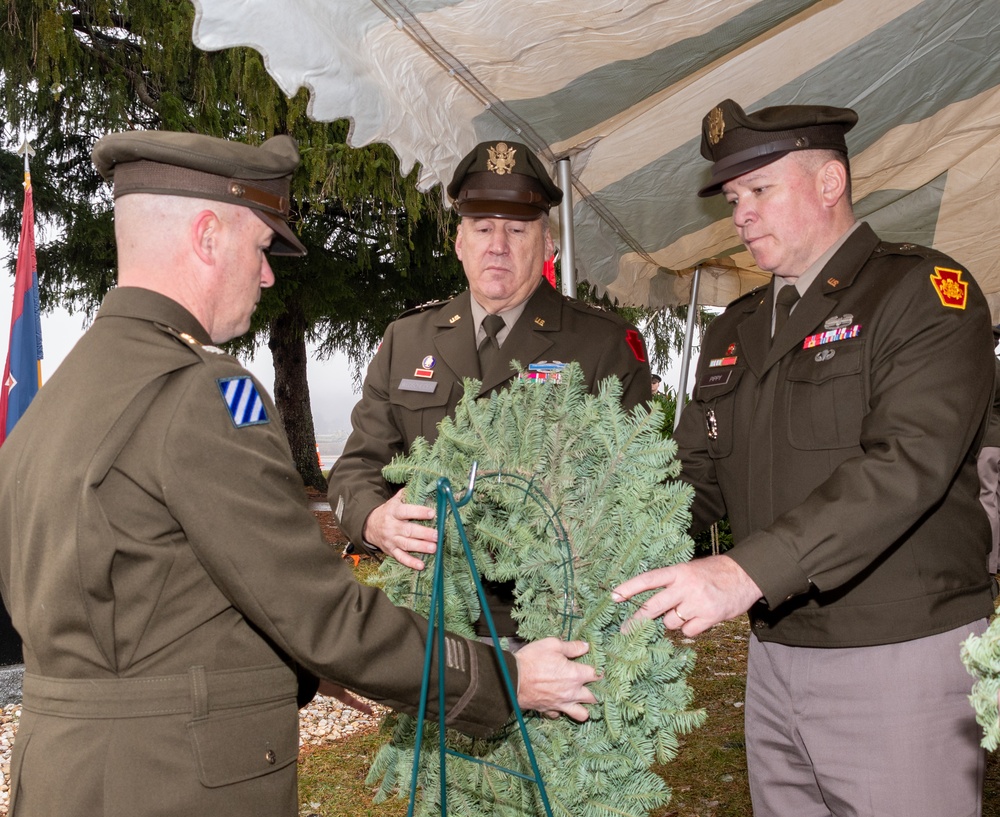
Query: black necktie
(787, 296)
(489, 349)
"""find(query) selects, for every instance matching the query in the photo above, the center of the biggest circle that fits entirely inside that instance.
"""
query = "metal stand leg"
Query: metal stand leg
(436, 630)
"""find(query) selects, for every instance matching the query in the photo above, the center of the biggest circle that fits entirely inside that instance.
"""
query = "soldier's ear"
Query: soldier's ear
(833, 182)
(458, 240)
(205, 226)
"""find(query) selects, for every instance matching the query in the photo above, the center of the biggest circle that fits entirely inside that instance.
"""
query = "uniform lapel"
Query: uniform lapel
(822, 297)
(528, 340)
(810, 311)
(455, 340)
(755, 331)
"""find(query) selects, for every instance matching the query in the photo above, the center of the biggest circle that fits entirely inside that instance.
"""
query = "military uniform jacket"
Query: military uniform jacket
(845, 454)
(161, 565)
(992, 438)
(397, 405)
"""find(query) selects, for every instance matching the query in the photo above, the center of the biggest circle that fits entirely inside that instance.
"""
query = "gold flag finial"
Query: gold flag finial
(27, 151)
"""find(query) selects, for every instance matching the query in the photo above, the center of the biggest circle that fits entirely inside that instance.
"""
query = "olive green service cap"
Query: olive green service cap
(503, 180)
(739, 142)
(205, 167)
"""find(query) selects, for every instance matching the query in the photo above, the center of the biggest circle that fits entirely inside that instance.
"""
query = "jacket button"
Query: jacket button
(271, 757)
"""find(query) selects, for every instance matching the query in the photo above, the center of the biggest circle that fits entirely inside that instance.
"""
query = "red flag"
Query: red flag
(22, 373)
(549, 270)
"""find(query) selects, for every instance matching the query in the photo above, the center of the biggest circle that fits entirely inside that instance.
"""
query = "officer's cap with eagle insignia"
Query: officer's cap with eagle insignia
(503, 180)
(739, 142)
(191, 164)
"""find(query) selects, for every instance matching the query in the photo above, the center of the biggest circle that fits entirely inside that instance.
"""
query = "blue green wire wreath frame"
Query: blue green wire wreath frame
(573, 496)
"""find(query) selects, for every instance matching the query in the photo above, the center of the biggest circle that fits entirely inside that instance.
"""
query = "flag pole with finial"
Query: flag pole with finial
(27, 151)
(22, 375)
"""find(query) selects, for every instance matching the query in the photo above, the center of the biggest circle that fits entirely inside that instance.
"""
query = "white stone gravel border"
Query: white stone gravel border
(323, 721)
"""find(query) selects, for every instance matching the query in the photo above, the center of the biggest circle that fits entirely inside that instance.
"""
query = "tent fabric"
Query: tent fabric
(621, 88)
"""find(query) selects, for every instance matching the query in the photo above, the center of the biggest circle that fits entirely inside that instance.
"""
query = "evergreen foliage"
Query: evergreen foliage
(668, 408)
(72, 71)
(573, 496)
(981, 656)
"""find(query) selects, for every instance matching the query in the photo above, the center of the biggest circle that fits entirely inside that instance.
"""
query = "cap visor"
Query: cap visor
(285, 241)
(499, 209)
(714, 187)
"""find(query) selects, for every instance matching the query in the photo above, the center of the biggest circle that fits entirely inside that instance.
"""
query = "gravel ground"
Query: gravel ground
(8, 726)
(323, 721)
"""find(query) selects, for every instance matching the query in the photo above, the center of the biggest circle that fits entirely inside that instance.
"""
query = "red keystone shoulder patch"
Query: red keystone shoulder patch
(950, 287)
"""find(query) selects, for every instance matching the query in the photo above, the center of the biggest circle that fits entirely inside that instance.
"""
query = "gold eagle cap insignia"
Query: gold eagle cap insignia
(716, 126)
(501, 158)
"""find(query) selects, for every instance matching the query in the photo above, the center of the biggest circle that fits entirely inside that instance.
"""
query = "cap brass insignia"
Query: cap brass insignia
(716, 126)
(501, 159)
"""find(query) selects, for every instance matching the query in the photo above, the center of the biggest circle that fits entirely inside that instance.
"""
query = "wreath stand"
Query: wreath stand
(446, 502)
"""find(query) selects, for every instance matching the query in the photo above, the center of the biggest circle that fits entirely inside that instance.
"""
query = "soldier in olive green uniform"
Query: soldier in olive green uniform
(503, 194)
(157, 555)
(843, 450)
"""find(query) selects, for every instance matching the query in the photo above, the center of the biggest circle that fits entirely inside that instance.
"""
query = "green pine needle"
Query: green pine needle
(574, 496)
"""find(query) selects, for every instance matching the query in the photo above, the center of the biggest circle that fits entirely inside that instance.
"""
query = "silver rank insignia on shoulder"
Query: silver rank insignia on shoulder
(190, 340)
(711, 425)
(243, 401)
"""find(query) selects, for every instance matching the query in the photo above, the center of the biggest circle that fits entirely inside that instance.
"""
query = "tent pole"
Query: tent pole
(567, 259)
(686, 353)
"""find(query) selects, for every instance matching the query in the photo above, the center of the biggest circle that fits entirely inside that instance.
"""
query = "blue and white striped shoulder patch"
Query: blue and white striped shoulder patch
(243, 401)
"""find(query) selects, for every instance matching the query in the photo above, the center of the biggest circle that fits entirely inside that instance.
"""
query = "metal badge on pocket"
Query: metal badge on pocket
(711, 425)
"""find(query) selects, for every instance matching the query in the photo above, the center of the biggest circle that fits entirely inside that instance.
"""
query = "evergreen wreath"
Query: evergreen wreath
(981, 656)
(573, 497)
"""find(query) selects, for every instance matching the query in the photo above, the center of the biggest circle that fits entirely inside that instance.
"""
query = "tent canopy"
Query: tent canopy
(621, 86)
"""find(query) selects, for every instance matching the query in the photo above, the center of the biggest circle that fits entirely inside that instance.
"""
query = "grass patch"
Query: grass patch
(709, 774)
(332, 779)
